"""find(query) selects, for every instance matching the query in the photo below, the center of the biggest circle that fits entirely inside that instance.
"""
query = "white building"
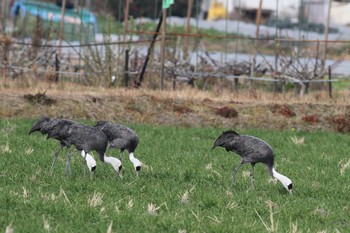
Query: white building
(315, 11)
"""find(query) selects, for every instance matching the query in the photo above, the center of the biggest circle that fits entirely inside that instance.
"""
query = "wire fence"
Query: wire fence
(244, 45)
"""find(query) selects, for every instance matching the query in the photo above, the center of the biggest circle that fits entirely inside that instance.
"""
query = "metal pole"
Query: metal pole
(238, 21)
(63, 11)
(330, 81)
(163, 50)
(126, 21)
(226, 30)
(188, 26)
(150, 48)
(126, 68)
(326, 33)
(257, 21)
(57, 68)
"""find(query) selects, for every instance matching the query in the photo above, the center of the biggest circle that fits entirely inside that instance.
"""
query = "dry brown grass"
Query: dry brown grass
(32, 86)
(185, 107)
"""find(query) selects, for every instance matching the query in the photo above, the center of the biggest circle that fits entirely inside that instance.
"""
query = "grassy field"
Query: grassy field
(183, 186)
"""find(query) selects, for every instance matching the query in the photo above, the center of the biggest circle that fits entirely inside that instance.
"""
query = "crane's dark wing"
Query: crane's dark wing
(226, 140)
(87, 138)
(39, 124)
(121, 137)
(253, 150)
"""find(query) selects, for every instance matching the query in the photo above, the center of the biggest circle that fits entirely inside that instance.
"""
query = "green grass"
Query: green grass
(176, 161)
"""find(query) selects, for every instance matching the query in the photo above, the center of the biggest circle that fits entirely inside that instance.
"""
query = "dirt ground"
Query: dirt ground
(186, 109)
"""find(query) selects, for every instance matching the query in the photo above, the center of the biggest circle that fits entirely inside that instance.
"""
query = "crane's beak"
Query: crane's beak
(137, 169)
(93, 171)
(33, 130)
(290, 186)
(119, 172)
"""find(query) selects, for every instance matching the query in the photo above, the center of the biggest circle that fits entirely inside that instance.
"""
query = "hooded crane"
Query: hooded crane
(53, 127)
(251, 150)
(87, 138)
(123, 138)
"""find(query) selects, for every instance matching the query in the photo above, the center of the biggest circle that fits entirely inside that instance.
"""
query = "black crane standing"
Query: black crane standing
(123, 138)
(251, 150)
(53, 128)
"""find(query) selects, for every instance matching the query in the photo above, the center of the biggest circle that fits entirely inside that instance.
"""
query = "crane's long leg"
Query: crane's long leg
(69, 156)
(234, 174)
(252, 175)
(55, 158)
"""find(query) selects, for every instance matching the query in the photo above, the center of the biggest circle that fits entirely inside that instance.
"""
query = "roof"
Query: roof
(52, 12)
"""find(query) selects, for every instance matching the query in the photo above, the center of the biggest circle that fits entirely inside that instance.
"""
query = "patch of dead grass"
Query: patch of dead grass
(187, 107)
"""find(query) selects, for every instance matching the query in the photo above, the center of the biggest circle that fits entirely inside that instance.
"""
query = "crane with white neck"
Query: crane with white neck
(251, 150)
(86, 139)
(123, 138)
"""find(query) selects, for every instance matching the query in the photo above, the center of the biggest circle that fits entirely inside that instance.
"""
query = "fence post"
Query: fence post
(63, 12)
(330, 81)
(162, 56)
(57, 68)
(174, 82)
(126, 68)
(150, 49)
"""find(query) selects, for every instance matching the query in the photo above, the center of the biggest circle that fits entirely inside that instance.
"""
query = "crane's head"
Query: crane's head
(39, 124)
(286, 182)
(90, 161)
(289, 188)
(225, 140)
(137, 164)
(119, 171)
(101, 124)
(116, 164)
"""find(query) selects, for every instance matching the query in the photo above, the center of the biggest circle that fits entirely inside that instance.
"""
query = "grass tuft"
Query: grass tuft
(5, 149)
(95, 200)
(343, 166)
(47, 227)
(297, 141)
(9, 228)
(152, 209)
(109, 230)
